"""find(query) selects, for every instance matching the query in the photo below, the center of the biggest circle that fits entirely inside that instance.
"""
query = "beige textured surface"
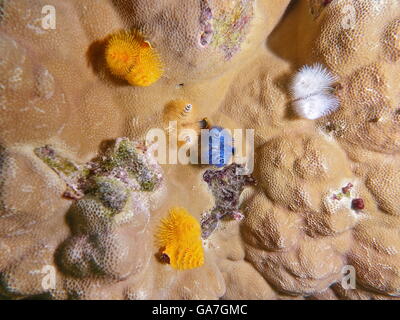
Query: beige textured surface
(295, 238)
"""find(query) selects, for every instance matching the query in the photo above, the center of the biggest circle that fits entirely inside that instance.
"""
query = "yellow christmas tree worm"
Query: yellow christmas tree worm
(179, 240)
(131, 57)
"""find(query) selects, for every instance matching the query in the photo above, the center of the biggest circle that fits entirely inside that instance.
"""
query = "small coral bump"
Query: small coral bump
(347, 188)
(338, 196)
(130, 56)
(316, 106)
(179, 238)
(346, 192)
(311, 80)
(238, 216)
(357, 204)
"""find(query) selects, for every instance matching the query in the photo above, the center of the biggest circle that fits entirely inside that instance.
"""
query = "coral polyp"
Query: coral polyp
(130, 56)
(179, 238)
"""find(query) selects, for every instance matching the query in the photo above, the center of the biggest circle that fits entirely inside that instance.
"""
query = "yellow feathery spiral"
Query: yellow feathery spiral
(185, 255)
(148, 68)
(122, 53)
(180, 237)
(130, 57)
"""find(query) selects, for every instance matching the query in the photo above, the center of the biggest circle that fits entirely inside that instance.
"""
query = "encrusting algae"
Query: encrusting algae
(127, 161)
(179, 240)
(130, 56)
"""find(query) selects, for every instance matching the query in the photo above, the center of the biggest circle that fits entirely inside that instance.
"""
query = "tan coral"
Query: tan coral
(295, 238)
(268, 227)
(376, 256)
(385, 177)
(390, 41)
(243, 282)
(299, 174)
(291, 168)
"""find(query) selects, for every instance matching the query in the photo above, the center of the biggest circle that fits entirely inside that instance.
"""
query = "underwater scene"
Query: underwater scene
(199, 150)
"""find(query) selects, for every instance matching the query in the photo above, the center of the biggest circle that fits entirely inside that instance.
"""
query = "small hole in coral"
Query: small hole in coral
(337, 87)
(375, 120)
(180, 85)
(204, 124)
(164, 258)
(397, 115)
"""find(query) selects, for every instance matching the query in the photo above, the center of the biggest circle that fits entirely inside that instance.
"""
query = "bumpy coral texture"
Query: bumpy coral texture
(234, 62)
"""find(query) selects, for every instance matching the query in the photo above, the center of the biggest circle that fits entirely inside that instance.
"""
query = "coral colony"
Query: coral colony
(112, 190)
(311, 91)
(194, 75)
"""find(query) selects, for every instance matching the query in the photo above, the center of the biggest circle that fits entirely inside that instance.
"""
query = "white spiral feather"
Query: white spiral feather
(311, 91)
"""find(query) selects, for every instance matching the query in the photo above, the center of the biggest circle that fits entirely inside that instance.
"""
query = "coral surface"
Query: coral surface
(80, 206)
